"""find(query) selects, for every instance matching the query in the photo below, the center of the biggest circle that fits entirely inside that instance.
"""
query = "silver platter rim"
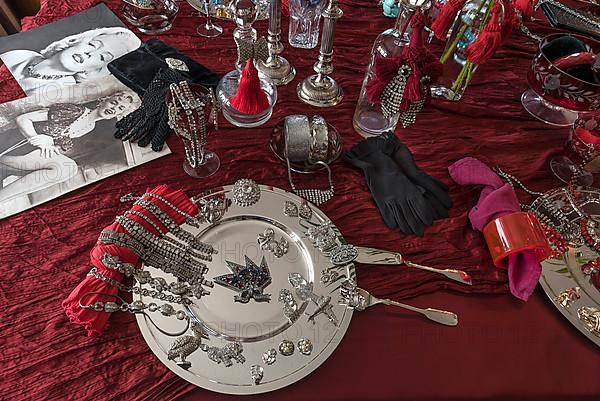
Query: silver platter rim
(567, 272)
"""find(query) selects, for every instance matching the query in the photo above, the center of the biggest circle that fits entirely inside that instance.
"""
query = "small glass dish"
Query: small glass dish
(228, 87)
(277, 144)
(154, 17)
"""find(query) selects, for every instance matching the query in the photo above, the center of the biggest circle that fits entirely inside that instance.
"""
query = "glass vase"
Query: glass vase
(369, 119)
(458, 70)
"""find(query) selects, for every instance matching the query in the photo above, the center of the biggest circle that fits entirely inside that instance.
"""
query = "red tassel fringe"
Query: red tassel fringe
(250, 98)
(443, 22)
(488, 41)
(510, 21)
(525, 7)
(285, 7)
(421, 61)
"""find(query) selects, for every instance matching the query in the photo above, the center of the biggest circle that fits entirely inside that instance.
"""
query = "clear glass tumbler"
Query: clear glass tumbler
(304, 22)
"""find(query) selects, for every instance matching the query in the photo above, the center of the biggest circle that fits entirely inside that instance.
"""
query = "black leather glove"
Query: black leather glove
(402, 204)
(437, 191)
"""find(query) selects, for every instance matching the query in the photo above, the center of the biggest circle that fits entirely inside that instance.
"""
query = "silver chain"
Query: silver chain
(139, 290)
(512, 180)
(573, 12)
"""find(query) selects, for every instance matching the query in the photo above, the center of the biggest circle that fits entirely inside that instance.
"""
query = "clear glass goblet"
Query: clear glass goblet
(209, 29)
(191, 125)
(583, 147)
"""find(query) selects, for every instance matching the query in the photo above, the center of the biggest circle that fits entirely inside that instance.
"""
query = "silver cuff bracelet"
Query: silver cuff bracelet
(296, 132)
(319, 140)
(306, 140)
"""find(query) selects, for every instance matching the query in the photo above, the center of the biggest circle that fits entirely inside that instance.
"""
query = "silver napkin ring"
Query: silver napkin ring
(319, 140)
(296, 130)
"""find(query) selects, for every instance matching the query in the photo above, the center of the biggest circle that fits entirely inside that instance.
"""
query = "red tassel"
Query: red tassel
(285, 7)
(443, 22)
(420, 60)
(385, 70)
(525, 7)
(250, 98)
(510, 20)
(488, 41)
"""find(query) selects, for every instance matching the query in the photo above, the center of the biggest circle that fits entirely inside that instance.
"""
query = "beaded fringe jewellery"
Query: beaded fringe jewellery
(193, 131)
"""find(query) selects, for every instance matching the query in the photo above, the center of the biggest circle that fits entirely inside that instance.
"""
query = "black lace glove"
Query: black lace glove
(437, 191)
(149, 123)
(402, 204)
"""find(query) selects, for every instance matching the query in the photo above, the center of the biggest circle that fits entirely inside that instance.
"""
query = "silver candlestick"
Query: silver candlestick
(275, 67)
(244, 13)
(321, 90)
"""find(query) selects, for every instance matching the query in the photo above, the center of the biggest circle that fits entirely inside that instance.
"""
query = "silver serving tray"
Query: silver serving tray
(258, 326)
(562, 274)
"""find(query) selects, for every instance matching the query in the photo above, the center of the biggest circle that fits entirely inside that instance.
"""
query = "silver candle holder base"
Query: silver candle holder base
(278, 70)
(321, 91)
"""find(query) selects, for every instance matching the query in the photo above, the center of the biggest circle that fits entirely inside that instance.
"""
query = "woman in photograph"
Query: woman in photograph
(73, 59)
(44, 136)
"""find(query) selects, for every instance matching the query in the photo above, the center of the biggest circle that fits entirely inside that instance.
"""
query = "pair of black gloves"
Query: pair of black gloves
(407, 197)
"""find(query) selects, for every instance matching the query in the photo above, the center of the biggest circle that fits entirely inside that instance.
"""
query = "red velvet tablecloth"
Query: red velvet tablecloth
(502, 349)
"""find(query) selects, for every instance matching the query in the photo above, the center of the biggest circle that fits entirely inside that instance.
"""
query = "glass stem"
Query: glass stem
(209, 23)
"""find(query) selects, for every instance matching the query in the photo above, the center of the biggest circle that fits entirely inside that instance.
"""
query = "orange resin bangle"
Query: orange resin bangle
(513, 233)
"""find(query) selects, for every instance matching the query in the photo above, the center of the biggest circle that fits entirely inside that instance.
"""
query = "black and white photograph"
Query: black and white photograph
(53, 147)
(72, 50)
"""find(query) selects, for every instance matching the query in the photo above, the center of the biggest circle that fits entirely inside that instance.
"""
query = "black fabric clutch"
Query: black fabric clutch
(137, 69)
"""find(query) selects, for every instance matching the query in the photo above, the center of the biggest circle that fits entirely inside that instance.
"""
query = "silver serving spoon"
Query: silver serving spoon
(380, 257)
(359, 299)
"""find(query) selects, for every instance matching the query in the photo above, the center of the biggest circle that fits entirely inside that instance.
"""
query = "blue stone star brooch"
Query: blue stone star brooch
(249, 281)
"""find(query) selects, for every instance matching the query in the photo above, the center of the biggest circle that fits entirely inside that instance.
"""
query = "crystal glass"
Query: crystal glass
(583, 148)
(209, 29)
(304, 22)
(368, 117)
(150, 16)
(199, 162)
(228, 87)
(556, 97)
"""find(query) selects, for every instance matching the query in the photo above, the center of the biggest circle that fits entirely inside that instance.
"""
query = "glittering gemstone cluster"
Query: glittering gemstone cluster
(286, 348)
(246, 192)
(559, 244)
(305, 346)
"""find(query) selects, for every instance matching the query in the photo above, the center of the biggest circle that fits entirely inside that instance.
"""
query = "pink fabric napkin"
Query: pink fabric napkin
(496, 200)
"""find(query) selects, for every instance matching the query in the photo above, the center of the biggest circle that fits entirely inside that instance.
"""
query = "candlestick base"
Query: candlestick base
(323, 92)
(277, 69)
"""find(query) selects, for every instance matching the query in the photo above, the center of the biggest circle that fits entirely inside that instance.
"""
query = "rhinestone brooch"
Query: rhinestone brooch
(286, 348)
(245, 192)
(256, 372)
(270, 356)
(248, 281)
(343, 254)
(305, 346)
